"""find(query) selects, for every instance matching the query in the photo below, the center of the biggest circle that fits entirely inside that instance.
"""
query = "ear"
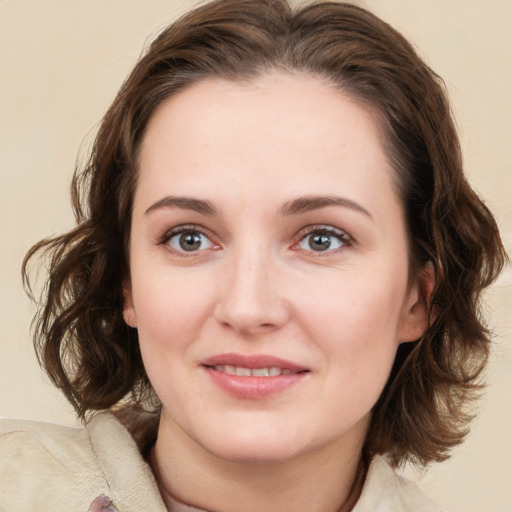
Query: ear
(129, 314)
(416, 318)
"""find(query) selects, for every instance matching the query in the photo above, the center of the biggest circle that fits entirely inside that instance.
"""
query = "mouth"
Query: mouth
(257, 365)
(240, 371)
(253, 377)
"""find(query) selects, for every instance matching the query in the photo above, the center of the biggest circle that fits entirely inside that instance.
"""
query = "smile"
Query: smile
(272, 371)
(253, 377)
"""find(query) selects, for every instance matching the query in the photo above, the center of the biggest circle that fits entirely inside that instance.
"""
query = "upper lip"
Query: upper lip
(252, 361)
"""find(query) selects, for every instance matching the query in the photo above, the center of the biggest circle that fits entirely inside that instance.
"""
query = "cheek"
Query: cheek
(171, 315)
(354, 305)
(171, 308)
(355, 335)
(355, 322)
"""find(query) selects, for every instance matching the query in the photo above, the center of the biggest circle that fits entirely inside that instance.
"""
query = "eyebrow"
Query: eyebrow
(184, 203)
(308, 203)
(300, 205)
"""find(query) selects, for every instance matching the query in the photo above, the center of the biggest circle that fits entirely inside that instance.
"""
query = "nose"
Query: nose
(250, 300)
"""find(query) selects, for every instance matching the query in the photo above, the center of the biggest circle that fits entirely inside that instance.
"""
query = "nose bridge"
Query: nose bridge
(250, 299)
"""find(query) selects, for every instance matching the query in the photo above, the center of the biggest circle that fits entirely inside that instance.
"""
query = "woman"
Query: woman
(274, 279)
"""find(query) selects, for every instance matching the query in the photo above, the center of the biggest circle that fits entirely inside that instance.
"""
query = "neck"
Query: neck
(190, 478)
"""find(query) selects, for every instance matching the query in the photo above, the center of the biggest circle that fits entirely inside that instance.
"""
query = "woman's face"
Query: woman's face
(268, 267)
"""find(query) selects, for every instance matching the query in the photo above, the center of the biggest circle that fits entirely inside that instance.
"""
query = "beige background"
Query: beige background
(61, 63)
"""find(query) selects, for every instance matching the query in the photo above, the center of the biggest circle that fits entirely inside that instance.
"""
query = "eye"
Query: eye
(324, 239)
(188, 240)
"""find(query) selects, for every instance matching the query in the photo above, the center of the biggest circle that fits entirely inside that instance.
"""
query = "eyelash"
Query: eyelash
(345, 239)
(187, 228)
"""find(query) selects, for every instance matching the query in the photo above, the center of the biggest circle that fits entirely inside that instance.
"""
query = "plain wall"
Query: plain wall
(61, 63)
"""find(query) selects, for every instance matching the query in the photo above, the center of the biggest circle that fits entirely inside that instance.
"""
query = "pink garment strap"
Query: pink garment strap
(102, 504)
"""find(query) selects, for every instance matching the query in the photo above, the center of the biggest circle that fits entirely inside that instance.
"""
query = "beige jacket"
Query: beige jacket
(50, 468)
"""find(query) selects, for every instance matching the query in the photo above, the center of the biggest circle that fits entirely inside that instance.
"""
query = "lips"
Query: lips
(241, 371)
(252, 362)
(253, 377)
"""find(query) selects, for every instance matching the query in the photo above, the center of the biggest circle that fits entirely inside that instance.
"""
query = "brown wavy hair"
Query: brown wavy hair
(80, 336)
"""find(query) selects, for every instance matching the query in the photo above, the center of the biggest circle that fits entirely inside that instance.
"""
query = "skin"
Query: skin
(256, 286)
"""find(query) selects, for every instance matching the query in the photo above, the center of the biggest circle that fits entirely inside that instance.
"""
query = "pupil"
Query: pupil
(190, 242)
(320, 242)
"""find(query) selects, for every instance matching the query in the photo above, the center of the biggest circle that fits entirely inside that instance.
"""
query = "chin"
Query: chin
(255, 454)
(253, 446)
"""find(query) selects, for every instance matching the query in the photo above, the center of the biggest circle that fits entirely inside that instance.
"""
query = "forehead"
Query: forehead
(278, 98)
(281, 131)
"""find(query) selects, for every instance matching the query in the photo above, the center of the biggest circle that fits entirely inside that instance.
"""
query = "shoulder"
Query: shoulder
(23, 438)
(41, 462)
(47, 467)
(386, 491)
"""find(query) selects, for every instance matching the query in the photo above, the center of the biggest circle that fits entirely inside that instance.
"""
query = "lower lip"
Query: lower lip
(253, 388)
